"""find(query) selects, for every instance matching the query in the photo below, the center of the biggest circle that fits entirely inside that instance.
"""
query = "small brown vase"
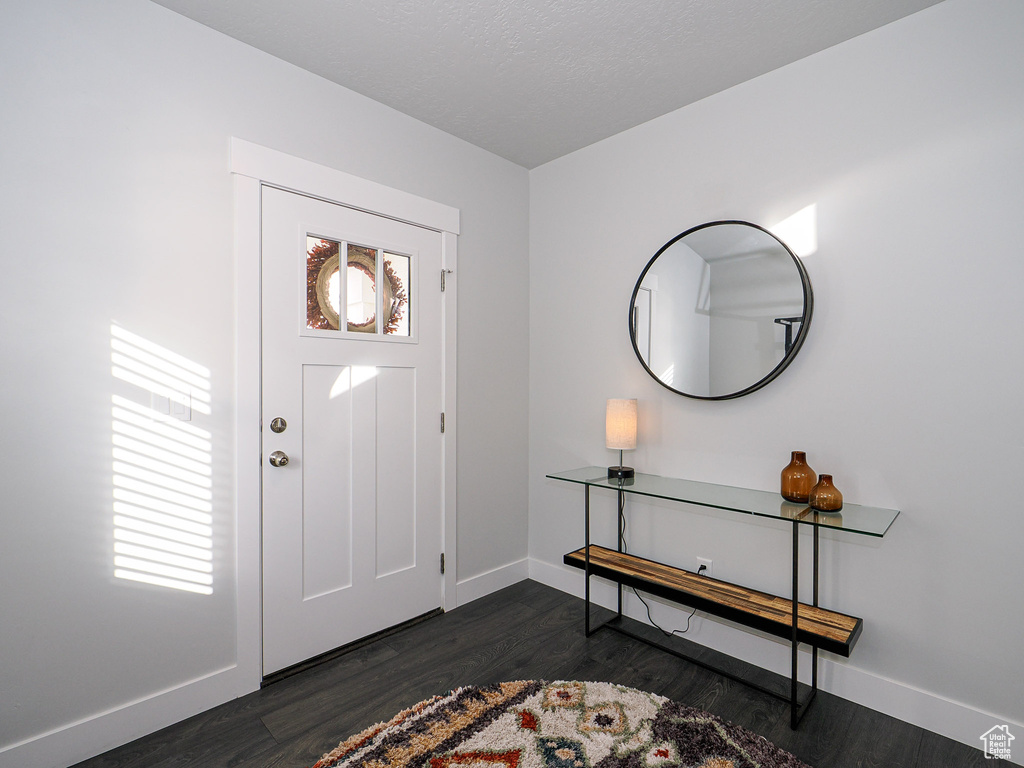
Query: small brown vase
(825, 497)
(797, 479)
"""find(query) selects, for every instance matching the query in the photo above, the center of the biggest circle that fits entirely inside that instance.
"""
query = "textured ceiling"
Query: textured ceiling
(532, 80)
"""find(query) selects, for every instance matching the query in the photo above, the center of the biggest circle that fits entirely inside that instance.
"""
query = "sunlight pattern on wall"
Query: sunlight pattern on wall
(800, 231)
(162, 468)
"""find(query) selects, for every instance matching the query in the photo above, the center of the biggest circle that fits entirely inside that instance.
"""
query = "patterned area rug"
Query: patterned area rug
(527, 724)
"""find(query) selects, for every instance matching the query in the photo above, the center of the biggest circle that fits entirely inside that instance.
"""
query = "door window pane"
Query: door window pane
(361, 277)
(396, 294)
(322, 288)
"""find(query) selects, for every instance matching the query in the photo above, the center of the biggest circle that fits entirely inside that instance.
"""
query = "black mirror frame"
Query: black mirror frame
(798, 341)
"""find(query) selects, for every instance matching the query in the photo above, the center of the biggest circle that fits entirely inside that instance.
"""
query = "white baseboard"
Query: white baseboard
(104, 731)
(562, 578)
(483, 584)
(924, 709)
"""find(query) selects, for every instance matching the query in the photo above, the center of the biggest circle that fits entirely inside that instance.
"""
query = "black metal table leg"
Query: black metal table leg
(798, 710)
(586, 571)
(814, 649)
(622, 535)
(587, 629)
(793, 702)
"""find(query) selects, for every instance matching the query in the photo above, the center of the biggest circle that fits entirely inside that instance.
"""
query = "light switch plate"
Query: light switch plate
(182, 409)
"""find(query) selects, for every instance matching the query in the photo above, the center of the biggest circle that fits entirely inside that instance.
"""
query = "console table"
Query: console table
(786, 618)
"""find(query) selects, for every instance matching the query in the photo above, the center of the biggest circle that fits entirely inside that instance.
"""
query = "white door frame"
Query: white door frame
(253, 166)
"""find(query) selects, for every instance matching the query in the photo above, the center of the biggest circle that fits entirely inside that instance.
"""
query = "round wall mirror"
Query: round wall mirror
(720, 310)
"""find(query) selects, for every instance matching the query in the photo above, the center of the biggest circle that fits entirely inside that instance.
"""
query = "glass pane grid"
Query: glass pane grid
(357, 289)
(869, 521)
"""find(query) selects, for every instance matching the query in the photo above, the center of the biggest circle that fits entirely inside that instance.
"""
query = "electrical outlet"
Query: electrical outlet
(709, 563)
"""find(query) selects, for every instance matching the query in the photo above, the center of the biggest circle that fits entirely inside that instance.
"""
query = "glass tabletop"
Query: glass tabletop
(870, 521)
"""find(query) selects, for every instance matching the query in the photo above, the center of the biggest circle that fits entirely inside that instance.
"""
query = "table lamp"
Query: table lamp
(620, 433)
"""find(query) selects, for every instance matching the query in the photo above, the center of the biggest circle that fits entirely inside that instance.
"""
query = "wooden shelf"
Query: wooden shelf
(816, 626)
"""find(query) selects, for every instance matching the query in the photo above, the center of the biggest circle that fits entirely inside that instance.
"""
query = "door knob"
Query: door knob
(278, 459)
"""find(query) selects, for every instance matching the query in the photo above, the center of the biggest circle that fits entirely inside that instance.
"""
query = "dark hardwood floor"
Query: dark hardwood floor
(527, 631)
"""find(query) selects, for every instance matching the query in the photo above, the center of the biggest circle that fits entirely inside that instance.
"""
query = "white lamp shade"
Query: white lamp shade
(620, 425)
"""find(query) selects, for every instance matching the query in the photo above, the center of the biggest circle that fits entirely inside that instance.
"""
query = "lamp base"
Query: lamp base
(621, 473)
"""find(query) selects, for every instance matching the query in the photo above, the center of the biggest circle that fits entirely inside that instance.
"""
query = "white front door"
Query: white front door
(352, 344)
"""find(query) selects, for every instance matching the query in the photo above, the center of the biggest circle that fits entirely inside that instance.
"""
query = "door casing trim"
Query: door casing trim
(252, 167)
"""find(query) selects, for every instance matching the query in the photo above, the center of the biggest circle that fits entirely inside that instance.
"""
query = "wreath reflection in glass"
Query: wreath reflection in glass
(323, 288)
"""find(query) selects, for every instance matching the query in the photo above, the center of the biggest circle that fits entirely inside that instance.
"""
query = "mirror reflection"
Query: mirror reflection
(720, 310)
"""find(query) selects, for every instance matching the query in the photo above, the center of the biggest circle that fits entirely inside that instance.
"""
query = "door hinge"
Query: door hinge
(444, 275)
(442, 422)
(442, 562)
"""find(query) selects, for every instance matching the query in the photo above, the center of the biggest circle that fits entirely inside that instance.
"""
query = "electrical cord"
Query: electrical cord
(622, 538)
(667, 633)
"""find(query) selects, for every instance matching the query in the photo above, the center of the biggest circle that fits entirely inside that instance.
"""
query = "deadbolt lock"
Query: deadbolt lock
(278, 425)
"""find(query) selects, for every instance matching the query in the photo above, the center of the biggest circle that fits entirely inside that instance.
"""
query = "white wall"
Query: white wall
(117, 206)
(909, 142)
